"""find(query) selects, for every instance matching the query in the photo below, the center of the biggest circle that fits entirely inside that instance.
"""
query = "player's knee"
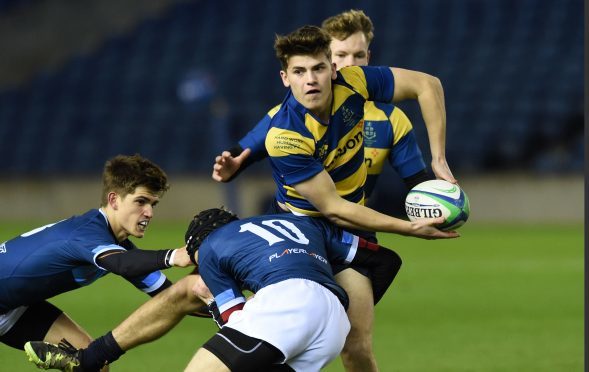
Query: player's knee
(180, 290)
(357, 345)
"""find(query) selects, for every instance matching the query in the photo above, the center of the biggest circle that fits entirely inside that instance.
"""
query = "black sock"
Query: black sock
(104, 350)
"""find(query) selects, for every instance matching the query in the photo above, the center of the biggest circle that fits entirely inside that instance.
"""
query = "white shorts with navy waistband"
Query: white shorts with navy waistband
(301, 318)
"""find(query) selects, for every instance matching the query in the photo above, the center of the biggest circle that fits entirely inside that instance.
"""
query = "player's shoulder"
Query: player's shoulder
(274, 110)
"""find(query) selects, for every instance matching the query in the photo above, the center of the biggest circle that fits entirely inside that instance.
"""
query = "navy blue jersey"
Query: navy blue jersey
(258, 251)
(59, 257)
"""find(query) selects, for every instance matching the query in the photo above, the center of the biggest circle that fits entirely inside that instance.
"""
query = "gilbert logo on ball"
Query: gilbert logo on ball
(437, 198)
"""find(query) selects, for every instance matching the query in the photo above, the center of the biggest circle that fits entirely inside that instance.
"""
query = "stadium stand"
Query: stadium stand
(511, 72)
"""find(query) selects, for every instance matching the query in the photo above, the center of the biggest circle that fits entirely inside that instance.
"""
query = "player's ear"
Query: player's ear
(284, 78)
(368, 57)
(113, 200)
(333, 71)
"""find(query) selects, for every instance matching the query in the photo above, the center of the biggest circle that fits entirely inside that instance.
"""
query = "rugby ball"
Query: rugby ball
(437, 198)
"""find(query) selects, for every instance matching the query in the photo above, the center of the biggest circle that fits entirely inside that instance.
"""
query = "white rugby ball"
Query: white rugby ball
(437, 198)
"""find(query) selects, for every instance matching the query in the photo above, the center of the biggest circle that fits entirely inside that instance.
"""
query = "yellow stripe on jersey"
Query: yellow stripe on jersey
(375, 159)
(347, 147)
(290, 191)
(373, 113)
(316, 128)
(354, 76)
(283, 142)
(274, 110)
(351, 184)
(401, 124)
(303, 211)
(340, 94)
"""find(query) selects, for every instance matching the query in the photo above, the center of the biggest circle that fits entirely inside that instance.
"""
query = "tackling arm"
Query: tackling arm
(136, 262)
(428, 91)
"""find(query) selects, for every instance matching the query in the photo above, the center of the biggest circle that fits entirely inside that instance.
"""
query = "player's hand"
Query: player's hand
(426, 229)
(442, 170)
(225, 165)
(181, 258)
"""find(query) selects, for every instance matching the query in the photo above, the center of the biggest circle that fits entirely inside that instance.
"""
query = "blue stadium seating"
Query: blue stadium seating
(512, 73)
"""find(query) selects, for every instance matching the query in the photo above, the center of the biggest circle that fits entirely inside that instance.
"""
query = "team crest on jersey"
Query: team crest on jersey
(322, 153)
(349, 118)
(3, 247)
(369, 134)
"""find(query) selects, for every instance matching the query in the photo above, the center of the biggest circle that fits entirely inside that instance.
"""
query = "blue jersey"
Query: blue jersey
(60, 257)
(258, 251)
(388, 136)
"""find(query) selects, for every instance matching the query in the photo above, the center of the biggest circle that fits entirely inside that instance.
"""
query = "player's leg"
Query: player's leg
(358, 354)
(44, 321)
(231, 350)
(204, 360)
(158, 315)
(65, 327)
(151, 321)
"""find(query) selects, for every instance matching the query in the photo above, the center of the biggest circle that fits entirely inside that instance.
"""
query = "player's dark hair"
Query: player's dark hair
(304, 41)
(123, 174)
(345, 24)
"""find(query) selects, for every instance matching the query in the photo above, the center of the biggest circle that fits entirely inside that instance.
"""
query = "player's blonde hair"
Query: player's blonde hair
(304, 41)
(123, 174)
(343, 25)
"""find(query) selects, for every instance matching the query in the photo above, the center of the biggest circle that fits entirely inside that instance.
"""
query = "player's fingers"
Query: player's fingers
(245, 153)
(226, 154)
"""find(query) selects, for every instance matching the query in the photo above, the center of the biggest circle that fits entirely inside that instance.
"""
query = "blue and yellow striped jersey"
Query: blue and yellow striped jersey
(388, 135)
(300, 146)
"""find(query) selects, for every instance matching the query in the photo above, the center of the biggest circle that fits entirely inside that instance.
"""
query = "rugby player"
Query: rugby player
(75, 252)
(312, 154)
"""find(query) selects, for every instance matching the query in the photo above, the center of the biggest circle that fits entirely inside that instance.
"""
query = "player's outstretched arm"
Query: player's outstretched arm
(226, 165)
(320, 191)
(428, 91)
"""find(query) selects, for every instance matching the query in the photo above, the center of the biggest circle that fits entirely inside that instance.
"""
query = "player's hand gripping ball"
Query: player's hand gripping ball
(437, 198)
(202, 225)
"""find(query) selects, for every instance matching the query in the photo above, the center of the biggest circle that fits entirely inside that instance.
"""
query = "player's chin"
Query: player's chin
(139, 231)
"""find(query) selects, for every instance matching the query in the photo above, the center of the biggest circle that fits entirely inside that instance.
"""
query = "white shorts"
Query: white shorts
(301, 318)
(9, 319)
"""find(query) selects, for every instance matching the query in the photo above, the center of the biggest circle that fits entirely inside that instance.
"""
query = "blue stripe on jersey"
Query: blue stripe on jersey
(381, 76)
(225, 296)
(153, 281)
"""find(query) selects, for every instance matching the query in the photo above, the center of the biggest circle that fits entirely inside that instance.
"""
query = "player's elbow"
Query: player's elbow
(432, 83)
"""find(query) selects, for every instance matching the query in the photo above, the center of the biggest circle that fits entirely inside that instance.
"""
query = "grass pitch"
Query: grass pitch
(500, 298)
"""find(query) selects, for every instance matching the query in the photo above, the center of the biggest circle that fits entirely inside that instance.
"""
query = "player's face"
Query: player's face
(309, 78)
(352, 51)
(133, 212)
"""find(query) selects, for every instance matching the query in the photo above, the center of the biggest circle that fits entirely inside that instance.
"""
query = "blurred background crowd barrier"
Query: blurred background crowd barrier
(178, 81)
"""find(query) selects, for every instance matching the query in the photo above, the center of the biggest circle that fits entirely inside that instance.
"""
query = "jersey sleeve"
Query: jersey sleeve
(147, 283)
(341, 245)
(291, 155)
(373, 83)
(255, 138)
(150, 282)
(405, 155)
(224, 288)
